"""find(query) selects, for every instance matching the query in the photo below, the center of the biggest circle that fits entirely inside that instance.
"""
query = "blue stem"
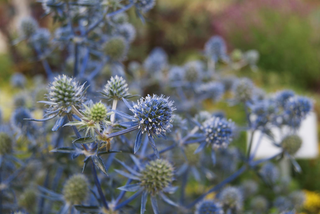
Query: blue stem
(122, 193)
(45, 64)
(97, 182)
(119, 206)
(76, 59)
(121, 10)
(84, 64)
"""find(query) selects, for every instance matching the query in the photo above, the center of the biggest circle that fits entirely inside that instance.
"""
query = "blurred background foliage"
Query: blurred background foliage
(285, 32)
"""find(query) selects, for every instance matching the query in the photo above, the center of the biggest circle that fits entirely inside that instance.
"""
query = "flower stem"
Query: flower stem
(114, 107)
(97, 182)
(119, 206)
(250, 145)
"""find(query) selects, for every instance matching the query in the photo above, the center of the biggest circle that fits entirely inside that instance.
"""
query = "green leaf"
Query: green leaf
(83, 140)
(99, 163)
(64, 150)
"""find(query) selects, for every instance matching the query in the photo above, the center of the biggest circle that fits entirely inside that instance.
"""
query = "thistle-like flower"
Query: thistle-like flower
(120, 18)
(269, 173)
(213, 90)
(116, 88)
(63, 93)
(215, 49)
(193, 71)
(243, 90)
(218, 132)
(5, 144)
(296, 109)
(282, 97)
(154, 179)
(41, 38)
(116, 48)
(18, 80)
(76, 189)
(145, 5)
(209, 207)
(157, 61)
(27, 27)
(176, 73)
(259, 204)
(94, 118)
(291, 144)
(263, 114)
(231, 197)
(127, 31)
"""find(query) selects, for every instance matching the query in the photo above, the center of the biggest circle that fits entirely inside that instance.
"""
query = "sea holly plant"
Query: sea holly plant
(159, 149)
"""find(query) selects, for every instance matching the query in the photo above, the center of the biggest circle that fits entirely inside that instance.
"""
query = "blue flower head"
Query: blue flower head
(213, 90)
(296, 109)
(41, 38)
(282, 204)
(20, 125)
(154, 115)
(157, 61)
(193, 71)
(218, 132)
(282, 97)
(176, 73)
(127, 31)
(264, 113)
(18, 80)
(243, 89)
(27, 27)
(209, 207)
(231, 197)
(269, 173)
(216, 49)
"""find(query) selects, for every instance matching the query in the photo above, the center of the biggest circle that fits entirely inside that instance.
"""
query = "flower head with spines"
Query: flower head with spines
(291, 144)
(213, 90)
(18, 80)
(193, 71)
(263, 114)
(127, 31)
(116, 48)
(76, 189)
(120, 18)
(282, 97)
(243, 90)
(296, 109)
(154, 178)
(270, 173)
(27, 27)
(116, 88)
(231, 197)
(63, 93)
(215, 49)
(176, 73)
(218, 132)
(154, 115)
(156, 62)
(209, 207)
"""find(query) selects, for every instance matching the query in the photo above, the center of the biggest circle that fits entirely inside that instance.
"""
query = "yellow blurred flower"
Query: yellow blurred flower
(312, 202)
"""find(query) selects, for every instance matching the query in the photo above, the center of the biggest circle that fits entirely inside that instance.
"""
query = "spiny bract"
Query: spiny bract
(156, 176)
(76, 189)
(154, 114)
(291, 144)
(116, 88)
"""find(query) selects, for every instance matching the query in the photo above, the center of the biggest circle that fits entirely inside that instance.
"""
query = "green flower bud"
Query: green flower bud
(76, 189)
(291, 144)
(156, 176)
(5, 143)
(236, 55)
(116, 88)
(98, 112)
(116, 48)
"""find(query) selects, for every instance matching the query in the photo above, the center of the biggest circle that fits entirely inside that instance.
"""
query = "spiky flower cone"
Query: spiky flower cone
(116, 88)
(28, 199)
(116, 48)
(156, 176)
(98, 112)
(5, 143)
(291, 144)
(76, 189)
(28, 26)
(243, 89)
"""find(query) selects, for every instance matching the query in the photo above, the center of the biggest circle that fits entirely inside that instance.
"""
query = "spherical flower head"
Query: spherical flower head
(116, 88)
(145, 5)
(27, 27)
(252, 57)
(208, 207)
(28, 199)
(213, 90)
(282, 203)
(5, 144)
(157, 61)
(259, 204)
(120, 18)
(41, 38)
(243, 89)
(65, 92)
(236, 55)
(156, 176)
(76, 189)
(291, 144)
(270, 173)
(127, 31)
(228, 82)
(231, 197)
(216, 48)
(154, 114)
(263, 112)
(218, 132)
(282, 97)
(297, 198)
(20, 100)
(249, 188)
(20, 125)
(98, 112)
(296, 109)
(193, 71)
(176, 73)
(116, 48)
(18, 80)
